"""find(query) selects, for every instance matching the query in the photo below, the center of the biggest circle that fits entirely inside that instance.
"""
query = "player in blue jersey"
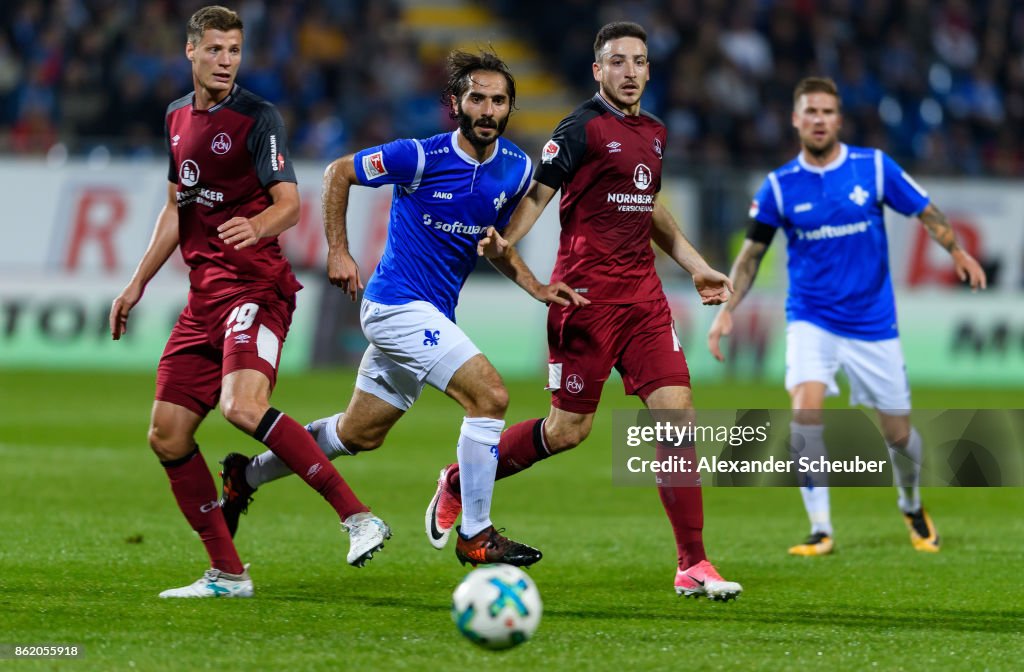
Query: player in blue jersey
(840, 308)
(448, 189)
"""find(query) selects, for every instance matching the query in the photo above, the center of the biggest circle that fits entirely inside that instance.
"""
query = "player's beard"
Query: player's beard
(820, 151)
(468, 129)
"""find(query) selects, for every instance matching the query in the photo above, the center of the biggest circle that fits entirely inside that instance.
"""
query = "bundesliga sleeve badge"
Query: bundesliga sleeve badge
(373, 165)
(550, 151)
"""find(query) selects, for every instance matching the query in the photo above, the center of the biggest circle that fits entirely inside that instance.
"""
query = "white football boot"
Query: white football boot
(215, 583)
(367, 534)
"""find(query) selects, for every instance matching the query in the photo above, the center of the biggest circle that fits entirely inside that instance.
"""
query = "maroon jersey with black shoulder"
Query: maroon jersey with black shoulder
(224, 160)
(608, 166)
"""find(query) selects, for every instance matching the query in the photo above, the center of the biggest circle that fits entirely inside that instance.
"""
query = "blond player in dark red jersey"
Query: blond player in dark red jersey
(606, 159)
(232, 191)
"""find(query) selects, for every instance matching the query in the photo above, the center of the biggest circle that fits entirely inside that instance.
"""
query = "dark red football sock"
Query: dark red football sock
(521, 446)
(292, 443)
(196, 494)
(681, 496)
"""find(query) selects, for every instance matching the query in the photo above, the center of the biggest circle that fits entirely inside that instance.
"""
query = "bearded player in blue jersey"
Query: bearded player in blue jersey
(840, 309)
(448, 189)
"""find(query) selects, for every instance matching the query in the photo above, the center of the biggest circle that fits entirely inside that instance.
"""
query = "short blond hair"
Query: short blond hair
(213, 17)
(816, 85)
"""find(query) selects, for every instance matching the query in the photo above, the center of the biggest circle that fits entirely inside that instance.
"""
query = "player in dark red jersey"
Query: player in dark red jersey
(606, 159)
(231, 192)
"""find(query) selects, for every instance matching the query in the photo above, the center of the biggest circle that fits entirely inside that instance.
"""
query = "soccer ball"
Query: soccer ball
(497, 606)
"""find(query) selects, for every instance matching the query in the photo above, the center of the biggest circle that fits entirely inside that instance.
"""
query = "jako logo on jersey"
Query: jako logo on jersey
(614, 146)
(373, 165)
(221, 143)
(273, 153)
(550, 152)
(859, 196)
(500, 201)
(574, 384)
(657, 147)
(443, 195)
(803, 207)
(431, 337)
(189, 173)
(642, 176)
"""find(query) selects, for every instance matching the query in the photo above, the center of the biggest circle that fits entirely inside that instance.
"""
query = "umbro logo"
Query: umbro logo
(859, 196)
(175, 140)
(614, 146)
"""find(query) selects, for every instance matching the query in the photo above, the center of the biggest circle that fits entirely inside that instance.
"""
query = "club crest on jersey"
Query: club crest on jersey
(550, 151)
(755, 209)
(657, 147)
(188, 173)
(574, 384)
(642, 176)
(221, 144)
(500, 201)
(859, 196)
(373, 165)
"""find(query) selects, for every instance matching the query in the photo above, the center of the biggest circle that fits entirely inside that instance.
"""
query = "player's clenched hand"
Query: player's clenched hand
(560, 293)
(714, 287)
(241, 232)
(343, 271)
(969, 270)
(119, 310)
(722, 326)
(492, 245)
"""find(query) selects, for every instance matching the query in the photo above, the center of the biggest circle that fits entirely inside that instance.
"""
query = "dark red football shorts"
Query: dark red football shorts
(214, 337)
(638, 339)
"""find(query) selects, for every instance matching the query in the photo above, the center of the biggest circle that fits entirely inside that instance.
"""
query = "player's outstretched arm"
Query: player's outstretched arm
(744, 270)
(342, 269)
(714, 287)
(967, 267)
(515, 269)
(281, 215)
(161, 245)
(523, 218)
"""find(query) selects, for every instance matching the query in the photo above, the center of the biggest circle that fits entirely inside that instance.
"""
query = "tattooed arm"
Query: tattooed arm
(744, 270)
(967, 267)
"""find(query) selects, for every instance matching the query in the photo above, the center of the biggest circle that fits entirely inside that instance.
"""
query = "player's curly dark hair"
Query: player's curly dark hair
(615, 30)
(461, 64)
(213, 17)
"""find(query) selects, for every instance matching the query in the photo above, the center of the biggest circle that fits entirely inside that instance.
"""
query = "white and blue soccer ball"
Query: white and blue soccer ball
(497, 606)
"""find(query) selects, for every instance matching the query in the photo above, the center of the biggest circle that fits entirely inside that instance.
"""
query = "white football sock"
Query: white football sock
(808, 441)
(906, 469)
(267, 466)
(478, 463)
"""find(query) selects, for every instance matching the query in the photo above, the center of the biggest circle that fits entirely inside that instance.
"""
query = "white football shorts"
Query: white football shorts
(875, 369)
(411, 345)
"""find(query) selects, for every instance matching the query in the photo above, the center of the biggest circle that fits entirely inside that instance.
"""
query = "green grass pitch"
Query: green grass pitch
(90, 534)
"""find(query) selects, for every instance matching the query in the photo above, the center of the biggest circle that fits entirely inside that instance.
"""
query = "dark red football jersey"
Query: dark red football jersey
(608, 166)
(224, 160)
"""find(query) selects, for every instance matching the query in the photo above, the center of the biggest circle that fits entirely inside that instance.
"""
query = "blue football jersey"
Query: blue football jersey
(835, 231)
(443, 202)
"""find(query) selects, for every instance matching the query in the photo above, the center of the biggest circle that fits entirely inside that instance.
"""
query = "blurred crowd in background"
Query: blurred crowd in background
(937, 83)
